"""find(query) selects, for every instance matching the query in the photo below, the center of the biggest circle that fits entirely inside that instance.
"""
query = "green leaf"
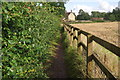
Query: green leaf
(11, 41)
(10, 6)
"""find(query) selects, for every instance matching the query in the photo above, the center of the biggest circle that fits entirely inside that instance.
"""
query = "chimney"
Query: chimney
(71, 10)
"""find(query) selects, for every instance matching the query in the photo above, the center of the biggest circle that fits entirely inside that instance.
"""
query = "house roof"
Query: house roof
(67, 13)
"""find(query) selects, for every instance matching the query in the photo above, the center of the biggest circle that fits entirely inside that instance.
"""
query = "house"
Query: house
(70, 16)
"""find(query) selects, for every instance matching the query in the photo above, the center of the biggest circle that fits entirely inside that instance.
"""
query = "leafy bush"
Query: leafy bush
(28, 32)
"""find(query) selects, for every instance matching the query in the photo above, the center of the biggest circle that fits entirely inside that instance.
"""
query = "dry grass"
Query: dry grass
(107, 31)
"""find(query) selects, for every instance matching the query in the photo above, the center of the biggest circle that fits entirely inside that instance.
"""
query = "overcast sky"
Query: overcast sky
(91, 5)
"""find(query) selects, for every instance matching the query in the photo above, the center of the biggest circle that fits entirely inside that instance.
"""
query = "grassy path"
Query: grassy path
(58, 68)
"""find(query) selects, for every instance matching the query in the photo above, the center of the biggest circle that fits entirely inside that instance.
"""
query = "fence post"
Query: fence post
(71, 36)
(89, 56)
(64, 27)
(68, 34)
(78, 42)
(75, 34)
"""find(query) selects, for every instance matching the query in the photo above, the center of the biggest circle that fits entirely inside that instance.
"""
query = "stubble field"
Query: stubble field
(108, 31)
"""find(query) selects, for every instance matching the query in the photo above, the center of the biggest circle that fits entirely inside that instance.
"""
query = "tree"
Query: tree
(116, 12)
(112, 17)
(97, 14)
(107, 15)
(83, 15)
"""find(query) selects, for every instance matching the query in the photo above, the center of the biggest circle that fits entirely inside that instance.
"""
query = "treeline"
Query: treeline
(28, 33)
(111, 16)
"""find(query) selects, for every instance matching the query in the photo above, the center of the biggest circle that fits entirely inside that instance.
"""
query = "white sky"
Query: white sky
(91, 5)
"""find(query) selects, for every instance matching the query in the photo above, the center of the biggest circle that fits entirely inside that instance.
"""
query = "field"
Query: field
(107, 31)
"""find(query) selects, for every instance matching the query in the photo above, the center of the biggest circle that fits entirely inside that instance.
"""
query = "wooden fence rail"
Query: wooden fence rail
(75, 34)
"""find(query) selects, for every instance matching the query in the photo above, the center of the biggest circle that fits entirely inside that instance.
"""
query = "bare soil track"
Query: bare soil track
(58, 68)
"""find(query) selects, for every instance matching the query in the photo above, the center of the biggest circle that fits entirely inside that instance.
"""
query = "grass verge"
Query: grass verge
(73, 60)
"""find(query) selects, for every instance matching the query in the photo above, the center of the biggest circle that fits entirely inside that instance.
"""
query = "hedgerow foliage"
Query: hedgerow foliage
(28, 32)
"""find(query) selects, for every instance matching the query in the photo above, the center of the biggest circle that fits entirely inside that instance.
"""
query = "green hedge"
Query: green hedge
(28, 32)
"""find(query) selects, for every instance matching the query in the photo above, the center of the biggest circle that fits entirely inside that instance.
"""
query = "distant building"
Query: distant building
(70, 16)
(94, 19)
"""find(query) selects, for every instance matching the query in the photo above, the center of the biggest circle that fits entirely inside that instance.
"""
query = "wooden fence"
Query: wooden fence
(74, 35)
